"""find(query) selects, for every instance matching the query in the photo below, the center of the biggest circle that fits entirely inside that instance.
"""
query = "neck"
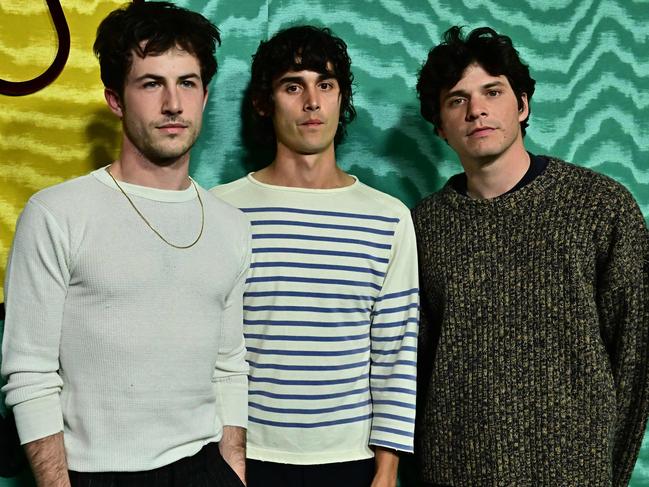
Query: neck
(314, 171)
(135, 168)
(492, 178)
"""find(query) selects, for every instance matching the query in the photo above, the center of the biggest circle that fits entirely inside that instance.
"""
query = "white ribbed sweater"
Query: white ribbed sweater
(127, 345)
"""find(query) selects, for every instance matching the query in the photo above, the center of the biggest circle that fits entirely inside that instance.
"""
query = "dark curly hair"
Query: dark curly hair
(447, 61)
(295, 49)
(149, 28)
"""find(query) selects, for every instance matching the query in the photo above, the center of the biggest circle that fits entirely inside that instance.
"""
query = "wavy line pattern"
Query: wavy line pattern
(581, 53)
(589, 59)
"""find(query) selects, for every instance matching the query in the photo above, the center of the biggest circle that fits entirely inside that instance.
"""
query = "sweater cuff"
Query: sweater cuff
(232, 400)
(38, 418)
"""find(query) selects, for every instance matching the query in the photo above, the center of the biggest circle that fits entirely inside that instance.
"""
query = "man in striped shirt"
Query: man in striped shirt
(331, 303)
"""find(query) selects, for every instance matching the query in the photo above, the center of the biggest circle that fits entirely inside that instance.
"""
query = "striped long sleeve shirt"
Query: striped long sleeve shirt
(330, 320)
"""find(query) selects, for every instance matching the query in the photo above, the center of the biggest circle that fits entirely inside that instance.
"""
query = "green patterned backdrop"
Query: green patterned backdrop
(589, 58)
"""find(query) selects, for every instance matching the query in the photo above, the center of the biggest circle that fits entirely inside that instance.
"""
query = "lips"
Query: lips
(478, 131)
(172, 128)
(312, 122)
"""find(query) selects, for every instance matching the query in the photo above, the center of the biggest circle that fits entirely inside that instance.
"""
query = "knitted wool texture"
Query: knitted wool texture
(534, 334)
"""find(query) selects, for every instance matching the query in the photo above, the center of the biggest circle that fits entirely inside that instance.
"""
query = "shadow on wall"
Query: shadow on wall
(12, 458)
(414, 141)
(256, 153)
(252, 154)
(103, 133)
(103, 137)
(411, 154)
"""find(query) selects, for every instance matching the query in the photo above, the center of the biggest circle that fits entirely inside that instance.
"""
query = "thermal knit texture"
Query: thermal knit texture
(133, 348)
(330, 319)
(534, 334)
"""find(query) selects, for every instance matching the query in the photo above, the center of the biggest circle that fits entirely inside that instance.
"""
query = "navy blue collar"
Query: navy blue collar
(537, 166)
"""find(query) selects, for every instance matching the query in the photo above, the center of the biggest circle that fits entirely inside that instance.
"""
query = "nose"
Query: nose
(311, 100)
(475, 109)
(171, 105)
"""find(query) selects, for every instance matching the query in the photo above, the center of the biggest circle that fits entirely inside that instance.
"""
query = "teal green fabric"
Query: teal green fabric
(589, 59)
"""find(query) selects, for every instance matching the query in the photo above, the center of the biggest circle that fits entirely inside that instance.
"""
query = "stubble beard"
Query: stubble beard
(156, 147)
(490, 151)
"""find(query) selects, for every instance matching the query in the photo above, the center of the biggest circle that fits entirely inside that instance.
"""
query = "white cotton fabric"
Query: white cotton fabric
(330, 317)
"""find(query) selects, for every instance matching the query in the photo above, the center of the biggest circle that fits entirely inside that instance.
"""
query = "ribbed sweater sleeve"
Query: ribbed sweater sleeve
(623, 304)
(231, 369)
(37, 271)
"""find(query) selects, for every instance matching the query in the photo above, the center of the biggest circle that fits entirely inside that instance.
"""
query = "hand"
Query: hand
(384, 481)
(47, 459)
(387, 466)
(240, 469)
(233, 450)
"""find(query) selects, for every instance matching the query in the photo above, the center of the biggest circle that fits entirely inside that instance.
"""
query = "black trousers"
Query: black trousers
(205, 469)
(348, 474)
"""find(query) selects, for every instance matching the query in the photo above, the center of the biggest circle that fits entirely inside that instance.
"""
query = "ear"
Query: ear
(440, 132)
(256, 105)
(114, 102)
(524, 108)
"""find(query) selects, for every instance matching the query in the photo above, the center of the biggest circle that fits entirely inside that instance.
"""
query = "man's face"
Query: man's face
(306, 112)
(162, 105)
(480, 116)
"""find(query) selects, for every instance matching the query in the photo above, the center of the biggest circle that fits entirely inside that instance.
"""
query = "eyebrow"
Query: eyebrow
(492, 84)
(157, 77)
(300, 79)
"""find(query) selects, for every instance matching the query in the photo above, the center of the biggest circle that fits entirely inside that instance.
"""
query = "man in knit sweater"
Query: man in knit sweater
(534, 337)
(331, 304)
(123, 345)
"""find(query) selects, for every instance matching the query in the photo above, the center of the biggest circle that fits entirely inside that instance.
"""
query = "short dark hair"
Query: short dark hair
(295, 49)
(150, 28)
(447, 61)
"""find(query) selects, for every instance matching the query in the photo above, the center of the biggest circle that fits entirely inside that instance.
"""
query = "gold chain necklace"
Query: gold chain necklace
(200, 201)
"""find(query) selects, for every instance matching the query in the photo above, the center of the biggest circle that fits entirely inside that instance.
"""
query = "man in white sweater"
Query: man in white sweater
(123, 347)
(331, 303)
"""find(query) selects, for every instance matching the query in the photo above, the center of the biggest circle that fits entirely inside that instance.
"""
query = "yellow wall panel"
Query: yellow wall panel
(61, 131)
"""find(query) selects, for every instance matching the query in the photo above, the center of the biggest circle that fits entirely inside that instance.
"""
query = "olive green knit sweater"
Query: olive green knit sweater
(534, 338)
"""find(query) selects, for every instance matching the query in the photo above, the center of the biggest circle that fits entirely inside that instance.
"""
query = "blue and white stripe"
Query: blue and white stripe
(330, 320)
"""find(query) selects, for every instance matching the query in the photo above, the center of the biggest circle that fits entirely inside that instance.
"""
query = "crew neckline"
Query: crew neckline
(536, 167)
(510, 199)
(155, 194)
(277, 187)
